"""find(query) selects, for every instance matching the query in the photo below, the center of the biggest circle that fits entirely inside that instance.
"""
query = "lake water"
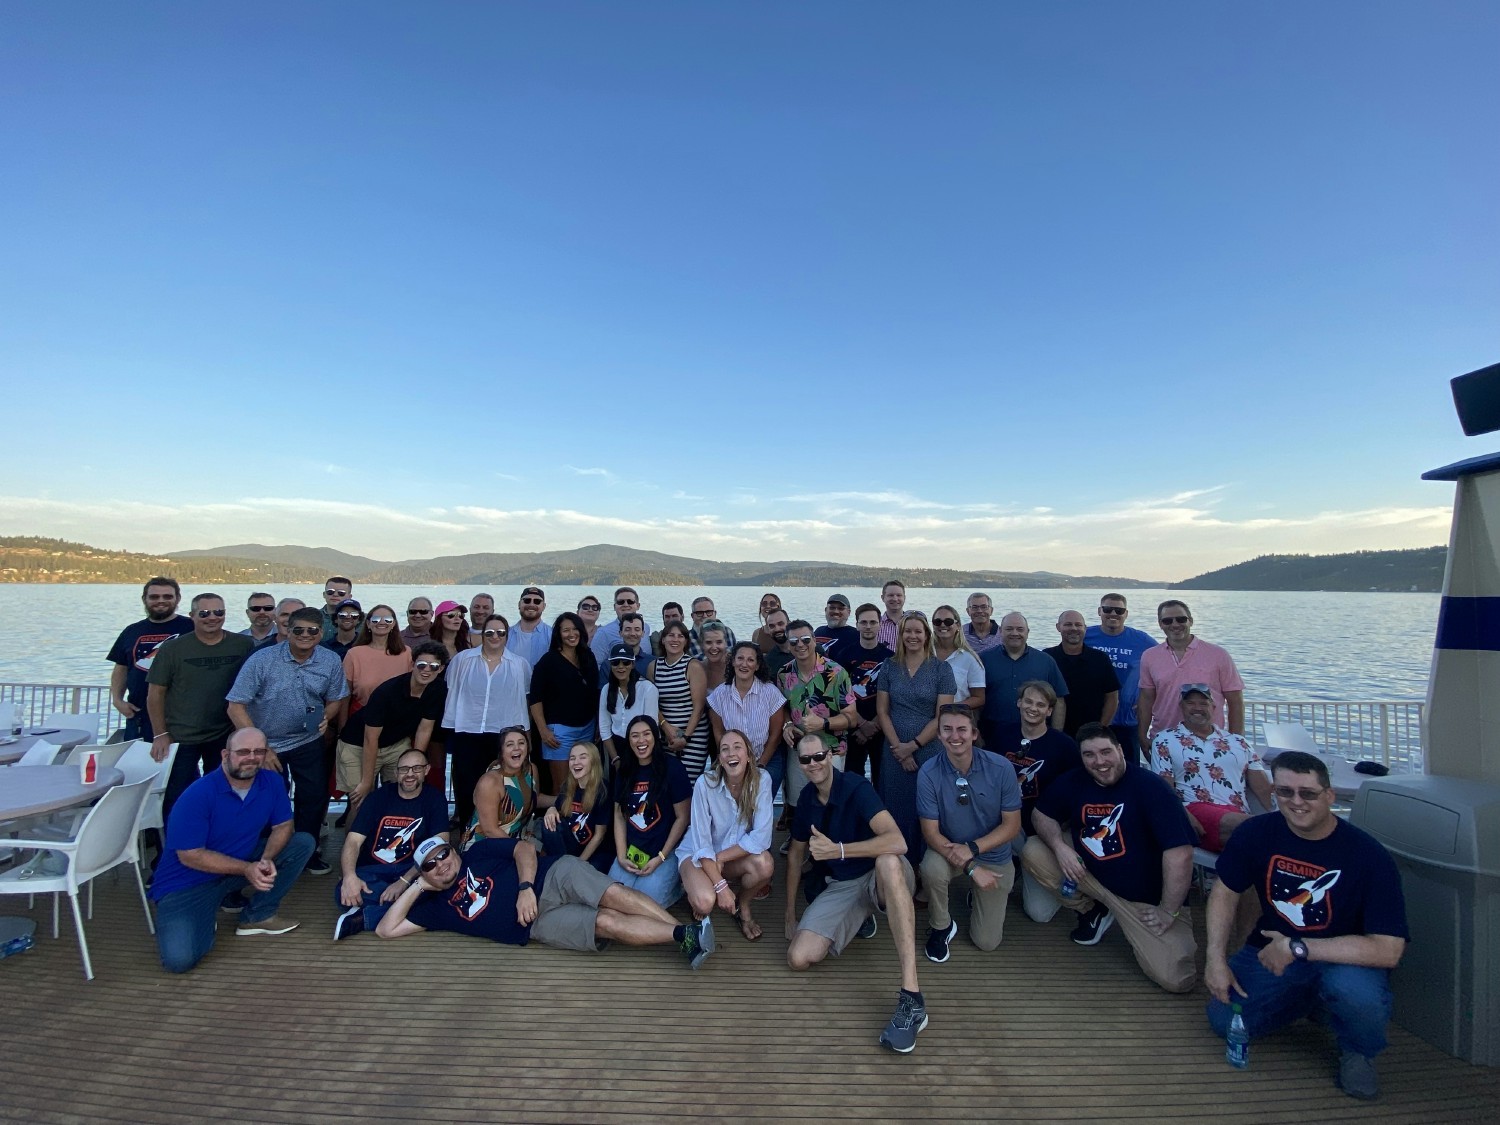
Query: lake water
(1287, 646)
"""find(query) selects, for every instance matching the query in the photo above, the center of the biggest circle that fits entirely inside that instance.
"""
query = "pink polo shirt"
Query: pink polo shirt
(1202, 663)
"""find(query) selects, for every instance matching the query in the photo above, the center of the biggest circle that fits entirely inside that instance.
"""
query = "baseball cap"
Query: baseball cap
(1201, 689)
(621, 652)
(426, 848)
(537, 590)
(843, 601)
(445, 607)
(348, 602)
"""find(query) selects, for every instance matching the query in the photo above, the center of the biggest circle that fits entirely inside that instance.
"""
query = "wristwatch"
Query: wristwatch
(974, 848)
(1298, 948)
(525, 887)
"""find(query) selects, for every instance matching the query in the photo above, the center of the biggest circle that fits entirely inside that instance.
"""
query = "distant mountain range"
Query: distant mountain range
(1391, 571)
(35, 559)
(606, 564)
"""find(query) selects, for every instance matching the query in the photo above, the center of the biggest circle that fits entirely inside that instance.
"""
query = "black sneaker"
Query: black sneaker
(937, 942)
(697, 942)
(349, 923)
(1357, 1076)
(900, 1035)
(868, 927)
(234, 903)
(317, 866)
(1093, 925)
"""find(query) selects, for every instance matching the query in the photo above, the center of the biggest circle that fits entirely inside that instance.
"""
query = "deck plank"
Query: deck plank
(445, 1028)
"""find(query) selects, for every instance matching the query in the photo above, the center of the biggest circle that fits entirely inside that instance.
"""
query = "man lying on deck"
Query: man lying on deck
(500, 890)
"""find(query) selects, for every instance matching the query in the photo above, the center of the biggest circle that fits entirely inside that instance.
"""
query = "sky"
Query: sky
(1137, 290)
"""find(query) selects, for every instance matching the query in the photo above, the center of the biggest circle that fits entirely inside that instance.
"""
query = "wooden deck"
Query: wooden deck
(445, 1028)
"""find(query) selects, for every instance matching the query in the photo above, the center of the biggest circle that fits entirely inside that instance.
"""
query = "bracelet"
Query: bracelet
(969, 867)
(841, 849)
(720, 885)
(406, 882)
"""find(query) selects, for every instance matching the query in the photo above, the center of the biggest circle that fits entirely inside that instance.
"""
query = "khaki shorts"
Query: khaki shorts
(351, 763)
(842, 907)
(569, 906)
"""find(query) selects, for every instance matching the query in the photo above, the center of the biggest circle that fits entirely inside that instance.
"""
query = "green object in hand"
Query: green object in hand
(637, 856)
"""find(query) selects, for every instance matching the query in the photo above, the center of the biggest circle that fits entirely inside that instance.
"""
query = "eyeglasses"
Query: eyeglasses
(305, 631)
(809, 759)
(494, 632)
(250, 752)
(800, 641)
(435, 858)
(1174, 620)
(349, 615)
(703, 613)
(1286, 793)
(531, 601)
(418, 612)
(1112, 610)
(382, 621)
(335, 593)
(263, 609)
(944, 622)
(210, 613)
(427, 665)
(963, 789)
(411, 769)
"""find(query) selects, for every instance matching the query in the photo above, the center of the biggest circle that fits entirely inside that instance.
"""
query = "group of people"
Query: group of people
(602, 773)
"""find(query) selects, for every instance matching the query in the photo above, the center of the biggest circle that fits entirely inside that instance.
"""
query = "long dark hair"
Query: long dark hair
(394, 645)
(762, 670)
(613, 698)
(630, 768)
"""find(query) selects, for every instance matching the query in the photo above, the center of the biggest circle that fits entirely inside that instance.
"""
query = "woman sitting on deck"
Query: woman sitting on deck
(729, 835)
(581, 821)
(505, 796)
(653, 800)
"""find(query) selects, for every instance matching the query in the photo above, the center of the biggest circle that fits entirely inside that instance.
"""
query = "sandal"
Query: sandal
(746, 924)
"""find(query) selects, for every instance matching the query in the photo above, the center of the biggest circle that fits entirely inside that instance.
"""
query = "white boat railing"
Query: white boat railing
(1385, 731)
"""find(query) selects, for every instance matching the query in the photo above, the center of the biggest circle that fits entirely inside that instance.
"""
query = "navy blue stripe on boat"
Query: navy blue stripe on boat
(1469, 623)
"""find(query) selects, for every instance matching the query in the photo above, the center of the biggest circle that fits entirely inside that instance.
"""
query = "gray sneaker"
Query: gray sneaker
(900, 1035)
(1357, 1076)
(273, 925)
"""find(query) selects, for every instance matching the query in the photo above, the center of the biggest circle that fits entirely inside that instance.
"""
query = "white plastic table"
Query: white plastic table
(35, 790)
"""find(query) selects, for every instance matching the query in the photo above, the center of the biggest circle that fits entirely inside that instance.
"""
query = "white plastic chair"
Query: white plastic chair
(106, 839)
(1289, 736)
(68, 720)
(136, 764)
(40, 753)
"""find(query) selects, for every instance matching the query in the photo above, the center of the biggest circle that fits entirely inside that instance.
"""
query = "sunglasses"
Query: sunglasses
(427, 665)
(335, 593)
(382, 621)
(625, 601)
(494, 632)
(799, 641)
(1286, 793)
(531, 601)
(435, 858)
(621, 662)
(1174, 620)
(349, 615)
(1112, 610)
(944, 622)
(809, 759)
(418, 612)
(263, 609)
(210, 613)
(306, 631)
(963, 789)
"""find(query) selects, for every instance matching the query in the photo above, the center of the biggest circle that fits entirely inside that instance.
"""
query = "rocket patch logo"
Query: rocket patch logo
(1099, 831)
(578, 824)
(472, 896)
(644, 814)
(1300, 892)
(394, 839)
(1027, 770)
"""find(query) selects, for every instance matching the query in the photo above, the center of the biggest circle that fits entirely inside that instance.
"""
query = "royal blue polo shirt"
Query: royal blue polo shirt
(212, 815)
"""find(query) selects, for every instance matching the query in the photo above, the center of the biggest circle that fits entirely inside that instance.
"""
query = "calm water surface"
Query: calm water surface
(1287, 646)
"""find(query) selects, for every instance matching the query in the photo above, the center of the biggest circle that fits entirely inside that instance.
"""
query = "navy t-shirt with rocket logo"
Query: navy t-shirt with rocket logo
(482, 900)
(393, 826)
(1345, 883)
(1120, 832)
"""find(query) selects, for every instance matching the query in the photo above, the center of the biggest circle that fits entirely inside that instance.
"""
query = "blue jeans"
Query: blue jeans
(377, 876)
(186, 920)
(663, 886)
(776, 767)
(1357, 999)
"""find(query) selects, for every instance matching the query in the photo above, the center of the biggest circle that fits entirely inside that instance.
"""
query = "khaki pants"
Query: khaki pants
(1168, 959)
(987, 920)
(351, 763)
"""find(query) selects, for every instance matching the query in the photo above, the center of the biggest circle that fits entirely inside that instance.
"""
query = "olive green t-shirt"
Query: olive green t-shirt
(197, 678)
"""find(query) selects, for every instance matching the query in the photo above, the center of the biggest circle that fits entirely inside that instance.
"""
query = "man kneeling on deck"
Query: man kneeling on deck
(1333, 923)
(491, 891)
(214, 848)
(859, 866)
(1129, 856)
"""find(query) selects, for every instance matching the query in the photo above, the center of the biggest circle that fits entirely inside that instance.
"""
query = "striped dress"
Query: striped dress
(677, 708)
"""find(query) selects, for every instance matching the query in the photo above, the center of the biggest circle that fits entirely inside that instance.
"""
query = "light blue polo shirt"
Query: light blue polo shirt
(282, 695)
(993, 790)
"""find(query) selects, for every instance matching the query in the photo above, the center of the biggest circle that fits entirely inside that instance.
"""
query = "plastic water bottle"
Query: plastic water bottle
(1069, 888)
(1237, 1053)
